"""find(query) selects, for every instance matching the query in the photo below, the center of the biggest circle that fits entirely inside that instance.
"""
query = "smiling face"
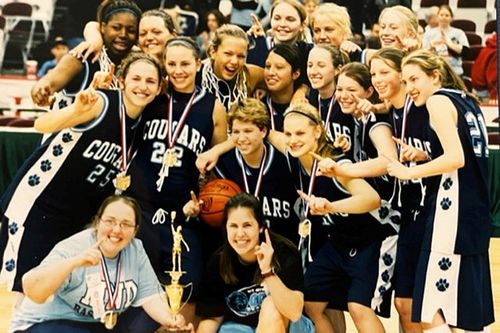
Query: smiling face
(419, 85)
(181, 66)
(385, 79)
(141, 84)
(117, 226)
(119, 33)
(247, 137)
(285, 23)
(243, 233)
(320, 70)
(346, 89)
(229, 57)
(153, 35)
(301, 134)
(327, 31)
(278, 74)
(392, 27)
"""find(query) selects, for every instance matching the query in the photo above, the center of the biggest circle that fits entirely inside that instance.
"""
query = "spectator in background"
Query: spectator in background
(214, 19)
(484, 71)
(446, 41)
(431, 17)
(58, 49)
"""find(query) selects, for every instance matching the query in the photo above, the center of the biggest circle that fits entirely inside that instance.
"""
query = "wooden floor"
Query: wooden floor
(391, 325)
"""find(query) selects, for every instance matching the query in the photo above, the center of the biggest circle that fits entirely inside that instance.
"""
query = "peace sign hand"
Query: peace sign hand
(264, 253)
(256, 30)
(193, 207)
(103, 79)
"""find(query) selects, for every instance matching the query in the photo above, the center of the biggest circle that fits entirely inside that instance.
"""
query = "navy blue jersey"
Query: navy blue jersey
(276, 112)
(59, 188)
(277, 193)
(458, 219)
(343, 229)
(339, 122)
(194, 138)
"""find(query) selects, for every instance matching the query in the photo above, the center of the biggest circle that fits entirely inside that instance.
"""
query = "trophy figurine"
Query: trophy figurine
(175, 290)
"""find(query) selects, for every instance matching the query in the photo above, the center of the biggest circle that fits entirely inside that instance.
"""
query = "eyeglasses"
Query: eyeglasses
(113, 223)
(246, 301)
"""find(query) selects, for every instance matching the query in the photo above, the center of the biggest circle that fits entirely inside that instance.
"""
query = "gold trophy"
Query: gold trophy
(175, 290)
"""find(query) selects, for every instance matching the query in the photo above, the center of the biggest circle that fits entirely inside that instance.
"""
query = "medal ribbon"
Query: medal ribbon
(306, 211)
(112, 293)
(271, 111)
(260, 177)
(328, 113)
(172, 139)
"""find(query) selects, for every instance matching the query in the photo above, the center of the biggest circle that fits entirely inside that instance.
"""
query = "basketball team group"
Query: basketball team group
(363, 177)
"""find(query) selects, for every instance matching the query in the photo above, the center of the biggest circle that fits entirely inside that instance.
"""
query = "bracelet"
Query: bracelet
(267, 274)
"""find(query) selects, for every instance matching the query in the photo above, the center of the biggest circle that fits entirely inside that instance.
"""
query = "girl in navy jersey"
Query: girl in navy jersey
(281, 72)
(323, 65)
(344, 273)
(409, 124)
(225, 73)
(331, 24)
(176, 127)
(118, 21)
(453, 284)
(62, 183)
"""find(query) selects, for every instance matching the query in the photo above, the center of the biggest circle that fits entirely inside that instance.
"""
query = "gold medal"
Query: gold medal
(170, 157)
(305, 228)
(109, 319)
(122, 181)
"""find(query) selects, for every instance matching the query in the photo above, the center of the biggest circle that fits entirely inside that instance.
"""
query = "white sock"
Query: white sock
(444, 328)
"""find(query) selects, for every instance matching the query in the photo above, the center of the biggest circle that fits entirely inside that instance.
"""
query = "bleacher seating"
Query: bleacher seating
(464, 24)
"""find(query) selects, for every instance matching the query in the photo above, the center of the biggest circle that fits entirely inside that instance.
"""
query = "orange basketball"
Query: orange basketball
(214, 195)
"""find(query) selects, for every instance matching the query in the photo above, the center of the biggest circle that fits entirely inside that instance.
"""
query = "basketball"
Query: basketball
(214, 195)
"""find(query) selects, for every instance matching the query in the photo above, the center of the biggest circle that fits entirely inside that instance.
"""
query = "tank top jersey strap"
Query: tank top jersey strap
(459, 205)
(78, 163)
(194, 138)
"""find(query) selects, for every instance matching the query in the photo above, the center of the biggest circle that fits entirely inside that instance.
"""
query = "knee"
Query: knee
(314, 310)
(270, 317)
(359, 312)
(403, 306)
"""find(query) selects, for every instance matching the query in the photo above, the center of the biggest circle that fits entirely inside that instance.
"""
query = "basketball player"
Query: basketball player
(453, 284)
(175, 128)
(60, 186)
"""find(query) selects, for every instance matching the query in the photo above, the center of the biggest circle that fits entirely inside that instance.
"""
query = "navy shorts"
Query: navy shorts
(157, 240)
(339, 276)
(458, 285)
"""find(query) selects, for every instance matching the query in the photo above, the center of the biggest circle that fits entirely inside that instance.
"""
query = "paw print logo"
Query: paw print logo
(442, 284)
(67, 137)
(383, 212)
(385, 276)
(46, 165)
(445, 203)
(10, 265)
(387, 258)
(62, 103)
(33, 180)
(396, 219)
(13, 228)
(382, 290)
(447, 183)
(444, 263)
(57, 150)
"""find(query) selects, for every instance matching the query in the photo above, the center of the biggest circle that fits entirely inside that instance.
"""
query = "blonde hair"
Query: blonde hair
(338, 15)
(325, 148)
(408, 18)
(250, 110)
(428, 62)
(298, 7)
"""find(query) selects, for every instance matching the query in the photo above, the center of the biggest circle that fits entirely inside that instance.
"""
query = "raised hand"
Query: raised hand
(317, 205)
(409, 153)
(264, 253)
(407, 44)
(326, 166)
(363, 105)
(342, 143)
(349, 47)
(83, 50)
(192, 207)
(85, 100)
(41, 93)
(256, 30)
(396, 169)
(103, 79)
(90, 257)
